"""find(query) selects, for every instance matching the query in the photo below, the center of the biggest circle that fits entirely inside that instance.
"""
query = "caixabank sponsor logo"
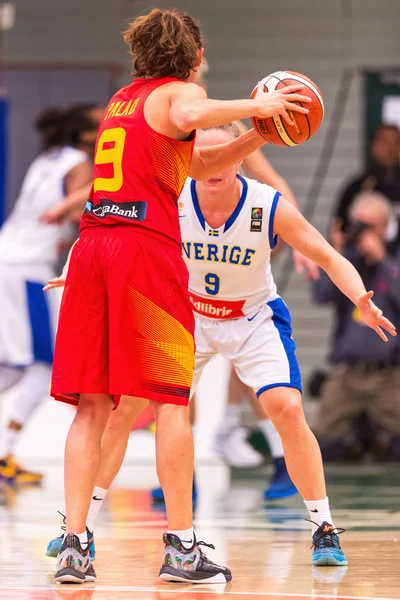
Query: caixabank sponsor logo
(133, 211)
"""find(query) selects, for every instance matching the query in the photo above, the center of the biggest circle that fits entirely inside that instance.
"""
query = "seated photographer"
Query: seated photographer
(382, 175)
(360, 405)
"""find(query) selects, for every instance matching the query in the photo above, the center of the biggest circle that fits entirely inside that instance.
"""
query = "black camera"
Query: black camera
(354, 230)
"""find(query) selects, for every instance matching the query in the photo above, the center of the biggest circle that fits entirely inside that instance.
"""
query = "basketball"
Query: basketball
(276, 130)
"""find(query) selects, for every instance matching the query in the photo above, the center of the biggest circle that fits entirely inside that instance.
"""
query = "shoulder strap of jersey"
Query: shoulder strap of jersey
(263, 200)
(145, 86)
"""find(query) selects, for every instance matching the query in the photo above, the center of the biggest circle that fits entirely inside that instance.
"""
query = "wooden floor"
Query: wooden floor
(267, 547)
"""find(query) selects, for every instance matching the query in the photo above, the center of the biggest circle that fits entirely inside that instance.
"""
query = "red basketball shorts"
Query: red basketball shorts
(126, 325)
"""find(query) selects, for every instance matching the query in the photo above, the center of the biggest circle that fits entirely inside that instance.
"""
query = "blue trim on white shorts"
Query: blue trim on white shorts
(276, 385)
(273, 239)
(39, 316)
(282, 321)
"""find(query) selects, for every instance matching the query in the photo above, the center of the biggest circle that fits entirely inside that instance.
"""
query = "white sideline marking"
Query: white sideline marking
(194, 589)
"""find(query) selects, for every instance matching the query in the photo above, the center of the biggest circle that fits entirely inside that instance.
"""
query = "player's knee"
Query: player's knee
(95, 407)
(128, 411)
(287, 412)
(171, 413)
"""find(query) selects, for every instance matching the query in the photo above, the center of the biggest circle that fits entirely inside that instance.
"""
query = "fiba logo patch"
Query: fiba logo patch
(256, 219)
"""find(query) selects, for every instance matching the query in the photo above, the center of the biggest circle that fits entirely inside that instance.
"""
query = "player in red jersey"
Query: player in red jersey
(126, 324)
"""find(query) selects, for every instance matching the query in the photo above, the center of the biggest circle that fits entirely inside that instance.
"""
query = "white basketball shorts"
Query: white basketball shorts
(260, 347)
(28, 315)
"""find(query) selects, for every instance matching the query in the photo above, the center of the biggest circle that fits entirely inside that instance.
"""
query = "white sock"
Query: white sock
(272, 437)
(83, 539)
(97, 500)
(319, 512)
(8, 441)
(185, 535)
(232, 416)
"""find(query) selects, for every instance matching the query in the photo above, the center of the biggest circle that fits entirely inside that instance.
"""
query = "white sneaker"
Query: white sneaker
(234, 448)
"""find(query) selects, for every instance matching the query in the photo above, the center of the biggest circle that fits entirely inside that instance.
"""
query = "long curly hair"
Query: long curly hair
(164, 43)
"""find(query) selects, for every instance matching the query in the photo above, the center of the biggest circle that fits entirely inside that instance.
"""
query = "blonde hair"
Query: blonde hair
(231, 128)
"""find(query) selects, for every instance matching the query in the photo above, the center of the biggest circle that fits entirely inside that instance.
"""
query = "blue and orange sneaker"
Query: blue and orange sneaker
(326, 550)
(157, 494)
(54, 546)
(280, 486)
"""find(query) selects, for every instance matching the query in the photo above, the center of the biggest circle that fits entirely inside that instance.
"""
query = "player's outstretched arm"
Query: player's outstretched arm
(211, 160)
(191, 109)
(258, 167)
(75, 201)
(300, 234)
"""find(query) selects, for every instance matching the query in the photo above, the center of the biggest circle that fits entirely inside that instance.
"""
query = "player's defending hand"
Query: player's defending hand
(54, 215)
(280, 102)
(302, 263)
(57, 281)
(374, 318)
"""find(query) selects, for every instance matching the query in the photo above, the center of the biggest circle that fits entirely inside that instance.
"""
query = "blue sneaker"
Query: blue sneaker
(54, 546)
(280, 486)
(158, 495)
(326, 550)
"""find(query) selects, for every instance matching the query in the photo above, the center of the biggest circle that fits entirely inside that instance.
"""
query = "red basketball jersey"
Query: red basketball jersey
(138, 173)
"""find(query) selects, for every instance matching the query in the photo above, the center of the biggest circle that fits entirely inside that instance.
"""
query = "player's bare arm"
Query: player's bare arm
(209, 161)
(75, 201)
(77, 186)
(191, 109)
(258, 167)
(301, 235)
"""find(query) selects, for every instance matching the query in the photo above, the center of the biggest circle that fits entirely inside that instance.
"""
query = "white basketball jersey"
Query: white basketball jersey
(24, 238)
(229, 268)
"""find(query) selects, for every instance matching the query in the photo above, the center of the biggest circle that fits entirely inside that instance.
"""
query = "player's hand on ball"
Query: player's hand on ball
(374, 318)
(280, 102)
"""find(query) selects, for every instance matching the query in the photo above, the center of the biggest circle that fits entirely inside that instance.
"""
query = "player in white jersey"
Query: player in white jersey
(29, 251)
(219, 292)
(229, 227)
(241, 316)
(231, 441)
(230, 278)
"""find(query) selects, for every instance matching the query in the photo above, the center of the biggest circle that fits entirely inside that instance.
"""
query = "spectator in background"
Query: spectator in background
(29, 250)
(364, 385)
(383, 176)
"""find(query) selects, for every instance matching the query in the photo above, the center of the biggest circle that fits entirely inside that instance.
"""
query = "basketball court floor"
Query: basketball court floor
(266, 546)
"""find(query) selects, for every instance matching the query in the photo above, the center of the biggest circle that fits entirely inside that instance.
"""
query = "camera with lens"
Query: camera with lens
(354, 230)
